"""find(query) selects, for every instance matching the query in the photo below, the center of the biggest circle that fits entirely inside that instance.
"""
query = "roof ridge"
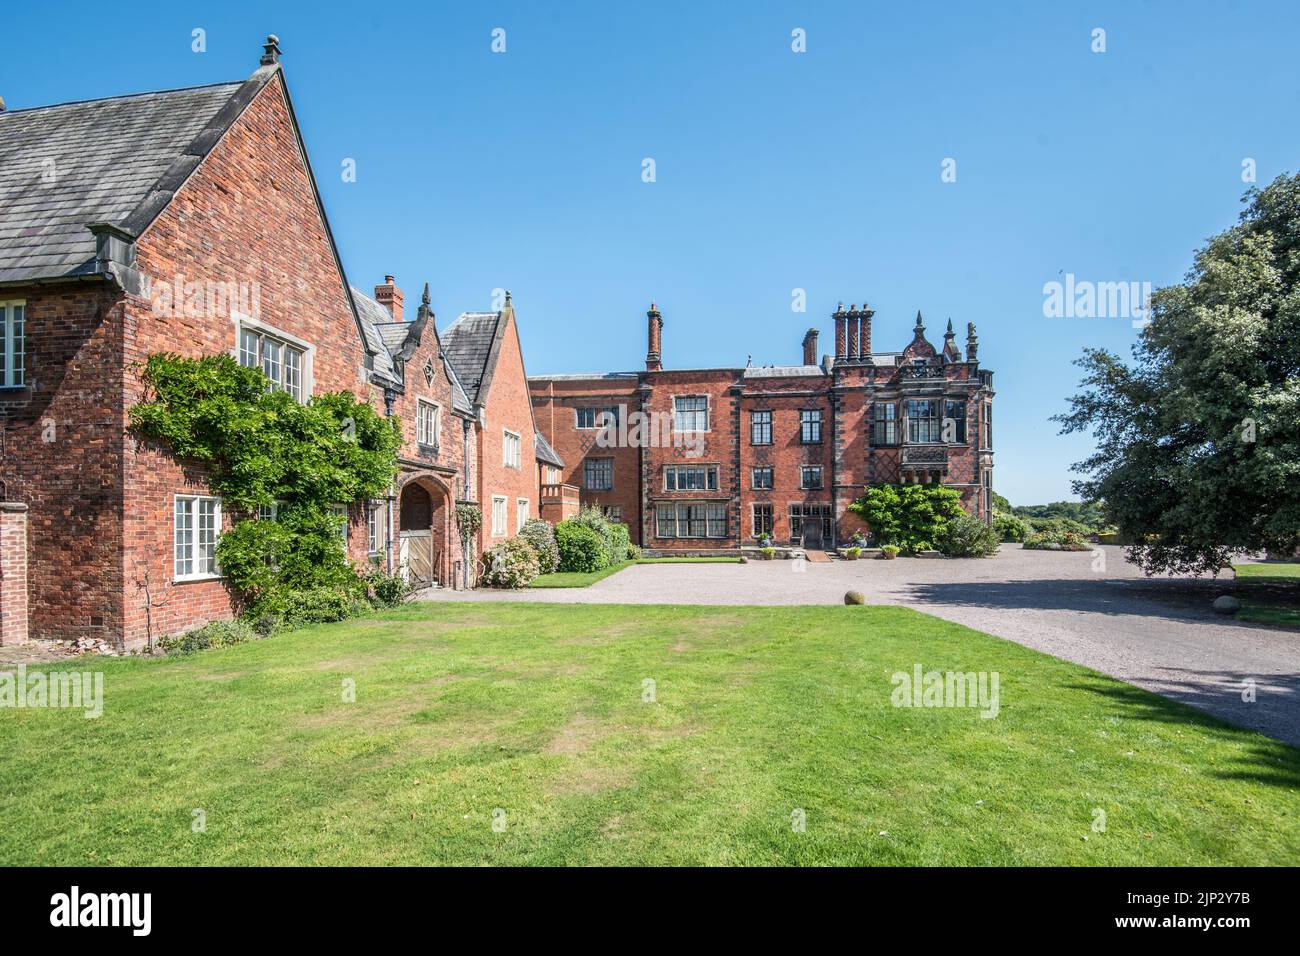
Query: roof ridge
(119, 96)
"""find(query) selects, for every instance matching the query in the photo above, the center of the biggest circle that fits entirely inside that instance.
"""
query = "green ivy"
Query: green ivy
(260, 448)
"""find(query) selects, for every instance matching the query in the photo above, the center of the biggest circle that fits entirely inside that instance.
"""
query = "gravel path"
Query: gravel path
(1157, 633)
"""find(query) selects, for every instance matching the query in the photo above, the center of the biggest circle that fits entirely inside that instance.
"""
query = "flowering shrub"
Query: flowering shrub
(1056, 540)
(512, 564)
(541, 536)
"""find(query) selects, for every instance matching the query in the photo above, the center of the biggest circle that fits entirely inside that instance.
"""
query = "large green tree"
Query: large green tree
(1198, 440)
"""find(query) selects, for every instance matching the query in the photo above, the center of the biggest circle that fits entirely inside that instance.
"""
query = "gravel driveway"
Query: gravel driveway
(1157, 633)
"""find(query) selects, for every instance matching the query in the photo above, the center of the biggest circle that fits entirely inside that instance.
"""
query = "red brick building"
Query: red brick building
(714, 459)
(189, 221)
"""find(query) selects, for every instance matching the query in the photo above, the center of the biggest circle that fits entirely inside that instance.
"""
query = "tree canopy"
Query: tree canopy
(1198, 440)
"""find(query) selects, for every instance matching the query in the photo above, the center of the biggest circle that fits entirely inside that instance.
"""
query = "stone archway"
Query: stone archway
(424, 521)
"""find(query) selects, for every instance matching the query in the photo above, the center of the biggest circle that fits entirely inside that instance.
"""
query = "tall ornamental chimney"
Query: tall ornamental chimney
(864, 340)
(852, 353)
(810, 347)
(390, 297)
(654, 355)
(841, 342)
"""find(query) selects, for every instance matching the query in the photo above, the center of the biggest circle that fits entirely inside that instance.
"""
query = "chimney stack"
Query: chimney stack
(390, 297)
(654, 354)
(810, 347)
(841, 343)
(852, 353)
(864, 339)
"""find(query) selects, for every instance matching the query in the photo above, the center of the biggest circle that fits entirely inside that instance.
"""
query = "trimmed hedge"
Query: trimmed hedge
(581, 548)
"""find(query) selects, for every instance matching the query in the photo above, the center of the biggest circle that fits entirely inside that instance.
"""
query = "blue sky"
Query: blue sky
(775, 170)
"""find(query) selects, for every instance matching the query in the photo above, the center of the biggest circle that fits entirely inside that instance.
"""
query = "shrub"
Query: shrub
(1009, 527)
(619, 542)
(541, 536)
(1056, 540)
(633, 552)
(386, 590)
(910, 516)
(581, 548)
(966, 536)
(512, 564)
(768, 553)
(889, 550)
(853, 552)
(593, 518)
(310, 606)
(213, 634)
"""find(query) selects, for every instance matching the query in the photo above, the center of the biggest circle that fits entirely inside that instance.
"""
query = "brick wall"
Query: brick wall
(555, 406)
(13, 573)
(508, 407)
(61, 446)
(247, 215)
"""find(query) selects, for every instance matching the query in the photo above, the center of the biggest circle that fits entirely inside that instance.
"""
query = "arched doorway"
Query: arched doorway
(422, 533)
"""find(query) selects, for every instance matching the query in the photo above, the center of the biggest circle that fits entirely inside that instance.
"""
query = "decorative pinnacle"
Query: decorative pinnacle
(920, 327)
(271, 50)
(424, 299)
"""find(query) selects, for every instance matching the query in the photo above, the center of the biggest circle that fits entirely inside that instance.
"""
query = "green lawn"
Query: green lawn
(1279, 573)
(581, 579)
(1269, 593)
(537, 711)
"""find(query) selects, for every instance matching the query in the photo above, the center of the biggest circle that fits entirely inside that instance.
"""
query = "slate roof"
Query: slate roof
(470, 343)
(388, 339)
(782, 371)
(64, 166)
(544, 452)
(373, 316)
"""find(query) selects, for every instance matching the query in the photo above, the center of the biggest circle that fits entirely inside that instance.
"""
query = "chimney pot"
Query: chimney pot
(271, 50)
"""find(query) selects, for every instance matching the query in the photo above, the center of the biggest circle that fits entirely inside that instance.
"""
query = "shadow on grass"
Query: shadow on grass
(1270, 762)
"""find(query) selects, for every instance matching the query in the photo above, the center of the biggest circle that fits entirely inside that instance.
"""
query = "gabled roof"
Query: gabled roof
(373, 316)
(545, 453)
(63, 167)
(398, 340)
(472, 344)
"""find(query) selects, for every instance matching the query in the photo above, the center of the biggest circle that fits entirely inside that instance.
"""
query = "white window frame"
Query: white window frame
(518, 445)
(192, 545)
(376, 528)
(707, 410)
(422, 436)
(13, 344)
(307, 365)
(522, 514)
(499, 529)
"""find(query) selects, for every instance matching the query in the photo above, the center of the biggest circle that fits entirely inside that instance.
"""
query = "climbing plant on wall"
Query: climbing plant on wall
(264, 449)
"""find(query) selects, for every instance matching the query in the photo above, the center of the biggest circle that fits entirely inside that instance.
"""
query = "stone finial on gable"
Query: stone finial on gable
(972, 342)
(271, 50)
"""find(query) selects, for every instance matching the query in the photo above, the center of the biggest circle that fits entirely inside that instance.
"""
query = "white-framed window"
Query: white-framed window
(13, 349)
(376, 528)
(285, 359)
(521, 514)
(341, 512)
(197, 520)
(498, 516)
(513, 448)
(428, 423)
(691, 413)
(269, 512)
